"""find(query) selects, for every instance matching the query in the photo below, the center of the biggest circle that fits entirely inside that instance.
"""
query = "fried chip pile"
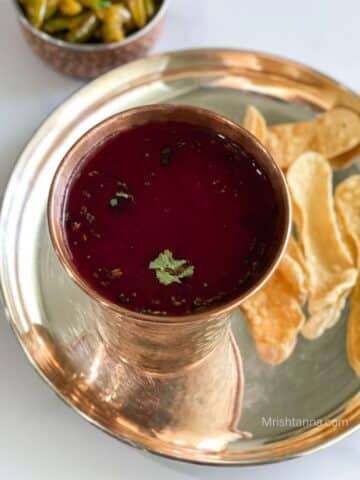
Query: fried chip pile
(321, 269)
(331, 271)
(331, 134)
(274, 313)
(347, 203)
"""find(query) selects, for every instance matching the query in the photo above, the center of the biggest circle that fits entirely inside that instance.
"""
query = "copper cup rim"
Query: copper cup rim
(93, 47)
(57, 234)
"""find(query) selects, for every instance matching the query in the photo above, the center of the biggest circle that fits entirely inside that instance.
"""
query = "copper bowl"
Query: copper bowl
(91, 60)
(209, 323)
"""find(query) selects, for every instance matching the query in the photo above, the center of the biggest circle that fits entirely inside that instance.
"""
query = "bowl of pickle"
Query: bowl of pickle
(85, 38)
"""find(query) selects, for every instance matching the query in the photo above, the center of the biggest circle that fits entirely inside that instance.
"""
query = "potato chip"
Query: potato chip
(347, 203)
(296, 253)
(331, 134)
(275, 318)
(353, 331)
(294, 269)
(274, 313)
(329, 263)
(256, 124)
(327, 316)
(345, 159)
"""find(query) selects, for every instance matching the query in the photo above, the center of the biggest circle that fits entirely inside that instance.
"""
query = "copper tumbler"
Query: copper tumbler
(191, 361)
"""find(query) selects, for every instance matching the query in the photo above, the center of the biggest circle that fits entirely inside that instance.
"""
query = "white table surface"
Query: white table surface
(40, 437)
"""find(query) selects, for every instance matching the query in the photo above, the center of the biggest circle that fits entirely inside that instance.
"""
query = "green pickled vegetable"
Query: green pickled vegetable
(84, 29)
(51, 8)
(150, 8)
(70, 7)
(90, 21)
(138, 11)
(35, 11)
(60, 24)
(114, 19)
(94, 4)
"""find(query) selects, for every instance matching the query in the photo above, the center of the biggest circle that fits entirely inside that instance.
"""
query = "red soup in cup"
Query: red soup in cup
(168, 211)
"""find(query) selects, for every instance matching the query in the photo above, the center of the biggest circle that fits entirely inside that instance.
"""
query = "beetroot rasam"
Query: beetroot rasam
(168, 218)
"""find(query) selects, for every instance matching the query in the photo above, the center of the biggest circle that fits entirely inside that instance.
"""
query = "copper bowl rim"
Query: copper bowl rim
(55, 228)
(91, 47)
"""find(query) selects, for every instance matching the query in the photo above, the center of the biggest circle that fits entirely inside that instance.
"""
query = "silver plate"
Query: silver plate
(287, 408)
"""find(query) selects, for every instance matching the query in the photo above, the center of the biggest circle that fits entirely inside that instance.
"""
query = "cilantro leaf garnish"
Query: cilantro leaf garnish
(169, 270)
